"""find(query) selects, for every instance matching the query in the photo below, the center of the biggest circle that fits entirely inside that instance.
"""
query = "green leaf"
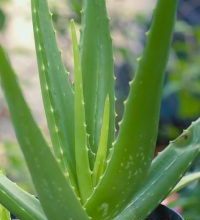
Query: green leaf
(134, 147)
(19, 202)
(100, 162)
(166, 170)
(55, 193)
(81, 152)
(186, 180)
(56, 89)
(4, 214)
(97, 69)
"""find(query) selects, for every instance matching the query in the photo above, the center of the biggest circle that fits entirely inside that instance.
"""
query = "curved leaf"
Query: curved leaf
(56, 89)
(133, 150)
(167, 169)
(19, 202)
(55, 192)
(186, 180)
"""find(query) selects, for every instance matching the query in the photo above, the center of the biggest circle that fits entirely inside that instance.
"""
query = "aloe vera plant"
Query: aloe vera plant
(90, 171)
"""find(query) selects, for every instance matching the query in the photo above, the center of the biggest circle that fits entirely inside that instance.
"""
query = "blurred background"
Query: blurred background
(129, 23)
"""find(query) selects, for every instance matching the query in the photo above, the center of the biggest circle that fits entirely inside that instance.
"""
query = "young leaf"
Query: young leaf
(134, 147)
(56, 89)
(81, 152)
(186, 180)
(97, 69)
(54, 189)
(167, 168)
(100, 162)
(19, 202)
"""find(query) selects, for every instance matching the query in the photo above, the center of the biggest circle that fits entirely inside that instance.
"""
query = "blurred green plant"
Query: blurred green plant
(2, 19)
(183, 86)
(91, 172)
(76, 6)
(15, 166)
(188, 201)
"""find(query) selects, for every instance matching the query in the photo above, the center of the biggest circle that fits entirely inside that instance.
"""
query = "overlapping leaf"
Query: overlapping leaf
(81, 151)
(167, 168)
(97, 69)
(55, 192)
(56, 88)
(19, 202)
(134, 147)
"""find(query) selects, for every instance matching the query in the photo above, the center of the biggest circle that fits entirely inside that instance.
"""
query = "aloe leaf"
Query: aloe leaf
(56, 89)
(186, 180)
(134, 147)
(54, 190)
(97, 69)
(167, 168)
(19, 202)
(81, 152)
(100, 162)
(4, 214)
